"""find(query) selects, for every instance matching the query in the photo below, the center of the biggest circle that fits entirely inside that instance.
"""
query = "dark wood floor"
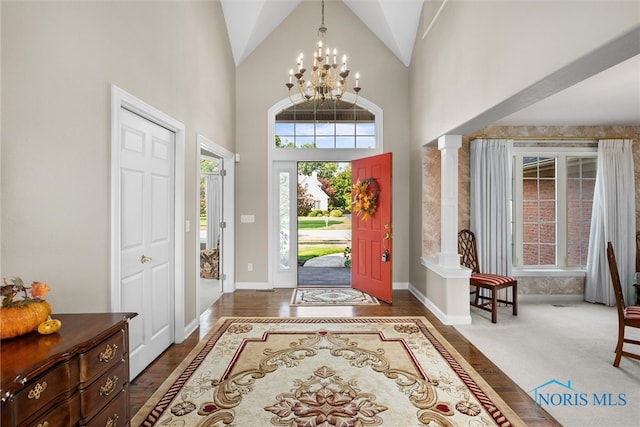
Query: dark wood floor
(276, 304)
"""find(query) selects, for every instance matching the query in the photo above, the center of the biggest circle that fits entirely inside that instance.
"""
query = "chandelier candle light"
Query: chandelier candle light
(328, 79)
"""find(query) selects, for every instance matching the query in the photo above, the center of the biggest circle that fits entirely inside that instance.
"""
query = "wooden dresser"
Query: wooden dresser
(77, 376)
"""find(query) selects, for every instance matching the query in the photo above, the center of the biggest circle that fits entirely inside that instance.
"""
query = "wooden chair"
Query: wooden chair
(627, 315)
(491, 282)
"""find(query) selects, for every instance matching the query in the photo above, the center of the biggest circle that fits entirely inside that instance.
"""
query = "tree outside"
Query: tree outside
(325, 232)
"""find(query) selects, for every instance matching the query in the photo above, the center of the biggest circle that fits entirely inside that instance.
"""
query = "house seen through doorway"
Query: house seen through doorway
(324, 224)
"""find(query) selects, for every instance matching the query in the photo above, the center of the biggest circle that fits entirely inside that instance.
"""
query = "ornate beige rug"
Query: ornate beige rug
(331, 296)
(387, 371)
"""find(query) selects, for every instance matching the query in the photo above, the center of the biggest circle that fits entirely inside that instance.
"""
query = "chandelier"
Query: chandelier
(328, 78)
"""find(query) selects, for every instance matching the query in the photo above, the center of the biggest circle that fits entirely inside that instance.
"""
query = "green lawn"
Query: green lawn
(335, 223)
(306, 252)
(315, 223)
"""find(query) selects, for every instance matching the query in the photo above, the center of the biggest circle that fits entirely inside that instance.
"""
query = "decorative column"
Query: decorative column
(449, 146)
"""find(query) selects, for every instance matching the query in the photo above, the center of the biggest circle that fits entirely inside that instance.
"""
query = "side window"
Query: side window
(552, 202)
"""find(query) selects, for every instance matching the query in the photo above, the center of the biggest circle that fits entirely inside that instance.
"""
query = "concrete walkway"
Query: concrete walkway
(333, 260)
(328, 270)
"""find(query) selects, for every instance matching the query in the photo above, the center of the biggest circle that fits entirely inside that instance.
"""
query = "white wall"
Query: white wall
(479, 54)
(58, 62)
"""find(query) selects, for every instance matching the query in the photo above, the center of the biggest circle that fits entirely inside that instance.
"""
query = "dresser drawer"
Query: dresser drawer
(102, 356)
(66, 413)
(38, 393)
(105, 388)
(115, 414)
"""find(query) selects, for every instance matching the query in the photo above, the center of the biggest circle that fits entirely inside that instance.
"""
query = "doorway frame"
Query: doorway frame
(120, 99)
(282, 156)
(228, 212)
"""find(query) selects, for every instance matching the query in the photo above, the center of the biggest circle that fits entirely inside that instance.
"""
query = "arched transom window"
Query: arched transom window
(341, 125)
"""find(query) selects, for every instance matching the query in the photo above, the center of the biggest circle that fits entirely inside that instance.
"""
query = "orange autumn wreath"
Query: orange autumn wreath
(365, 198)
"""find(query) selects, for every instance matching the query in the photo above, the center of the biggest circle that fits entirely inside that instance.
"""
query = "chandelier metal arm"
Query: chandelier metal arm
(327, 78)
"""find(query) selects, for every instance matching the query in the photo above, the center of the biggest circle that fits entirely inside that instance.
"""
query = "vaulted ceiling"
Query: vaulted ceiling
(394, 22)
(610, 97)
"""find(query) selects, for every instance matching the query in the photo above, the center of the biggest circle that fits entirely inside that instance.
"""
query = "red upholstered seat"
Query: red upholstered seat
(489, 279)
(632, 312)
(628, 316)
(492, 283)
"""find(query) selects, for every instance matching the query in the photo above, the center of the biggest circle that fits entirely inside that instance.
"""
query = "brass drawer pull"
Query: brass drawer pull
(108, 353)
(36, 391)
(112, 421)
(109, 386)
(44, 424)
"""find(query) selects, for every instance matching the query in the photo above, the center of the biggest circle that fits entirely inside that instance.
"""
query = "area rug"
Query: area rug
(321, 372)
(331, 296)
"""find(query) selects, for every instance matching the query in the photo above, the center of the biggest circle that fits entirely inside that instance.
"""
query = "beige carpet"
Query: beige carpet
(317, 372)
(549, 346)
(331, 296)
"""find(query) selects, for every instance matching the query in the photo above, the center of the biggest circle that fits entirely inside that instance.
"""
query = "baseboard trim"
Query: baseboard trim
(253, 286)
(400, 285)
(190, 328)
(446, 320)
(262, 286)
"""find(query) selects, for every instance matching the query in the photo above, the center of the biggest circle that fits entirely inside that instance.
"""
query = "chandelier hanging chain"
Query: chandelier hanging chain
(326, 80)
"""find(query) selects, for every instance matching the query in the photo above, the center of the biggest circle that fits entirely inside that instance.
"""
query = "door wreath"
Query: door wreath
(365, 198)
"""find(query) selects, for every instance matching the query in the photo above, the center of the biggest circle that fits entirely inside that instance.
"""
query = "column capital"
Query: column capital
(449, 141)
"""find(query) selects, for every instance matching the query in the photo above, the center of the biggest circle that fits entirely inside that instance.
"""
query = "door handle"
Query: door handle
(145, 258)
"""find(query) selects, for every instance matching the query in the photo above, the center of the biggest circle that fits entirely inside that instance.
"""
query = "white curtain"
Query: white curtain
(612, 220)
(213, 190)
(491, 165)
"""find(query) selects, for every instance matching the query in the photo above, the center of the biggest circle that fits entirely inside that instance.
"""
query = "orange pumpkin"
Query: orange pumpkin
(19, 320)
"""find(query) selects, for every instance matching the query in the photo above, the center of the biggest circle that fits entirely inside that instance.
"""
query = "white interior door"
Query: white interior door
(147, 187)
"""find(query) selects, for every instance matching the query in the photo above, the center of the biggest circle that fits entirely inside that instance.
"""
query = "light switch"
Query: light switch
(247, 218)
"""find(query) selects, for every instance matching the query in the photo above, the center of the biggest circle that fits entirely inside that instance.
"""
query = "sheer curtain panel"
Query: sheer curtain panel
(491, 165)
(612, 220)
(213, 197)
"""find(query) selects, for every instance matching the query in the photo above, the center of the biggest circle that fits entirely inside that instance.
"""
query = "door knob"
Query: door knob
(145, 258)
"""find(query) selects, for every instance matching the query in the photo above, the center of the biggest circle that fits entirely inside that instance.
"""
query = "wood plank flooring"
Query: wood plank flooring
(276, 304)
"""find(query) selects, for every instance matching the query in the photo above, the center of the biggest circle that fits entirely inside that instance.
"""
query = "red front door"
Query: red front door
(371, 254)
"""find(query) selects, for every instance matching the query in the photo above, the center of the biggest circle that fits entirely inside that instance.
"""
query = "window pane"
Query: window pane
(547, 255)
(366, 142)
(531, 254)
(284, 129)
(365, 129)
(305, 142)
(539, 210)
(305, 129)
(325, 142)
(547, 211)
(285, 141)
(548, 233)
(530, 233)
(345, 142)
(345, 129)
(325, 129)
(581, 182)
(285, 261)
